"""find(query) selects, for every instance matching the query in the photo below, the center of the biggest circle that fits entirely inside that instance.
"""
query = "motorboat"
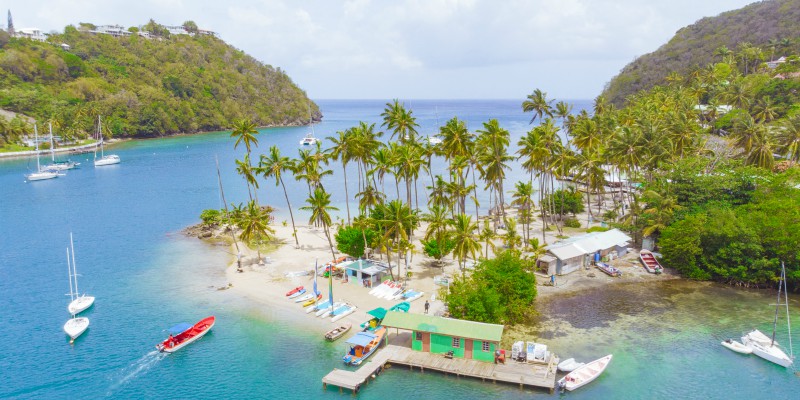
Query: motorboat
(569, 365)
(337, 332)
(736, 346)
(363, 345)
(183, 334)
(585, 374)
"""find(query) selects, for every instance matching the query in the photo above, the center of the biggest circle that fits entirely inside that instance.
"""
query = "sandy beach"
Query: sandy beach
(267, 282)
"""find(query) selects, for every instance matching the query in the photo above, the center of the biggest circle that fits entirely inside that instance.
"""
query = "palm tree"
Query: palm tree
(245, 132)
(399, 222)
(511, 238)
(369, 198)
(660, 210)
(789, 138)
(254, 223)
(274, 166)
(537, 103)
(765, 110)
(524, 203)
(463, 234)
(487, 235)
(248, 173)
(494, 158)
(400, 121)
(341, 150)
(319, 204)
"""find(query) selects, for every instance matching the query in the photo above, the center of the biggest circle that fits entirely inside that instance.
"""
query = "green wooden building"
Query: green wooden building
(467, 339)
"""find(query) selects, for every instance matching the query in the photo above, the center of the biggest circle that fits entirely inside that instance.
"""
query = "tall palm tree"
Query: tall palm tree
(319, 204)
(487, 236)
(245, 133)
(537, 103)
(254, 223)
(245, 169)
(399, 222)
(789, 138)
(273, 166)
(400, 120)
(494, 157)
(466, 242)
(341, 151)
(523, 200)
(369, 198)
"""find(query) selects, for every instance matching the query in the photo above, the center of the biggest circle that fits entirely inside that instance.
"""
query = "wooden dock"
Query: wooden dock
(532, 375)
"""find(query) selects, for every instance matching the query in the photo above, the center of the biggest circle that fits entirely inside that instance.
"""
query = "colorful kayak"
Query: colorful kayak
(185, 334)
(297, 294)
(293, 291)
(312, 301)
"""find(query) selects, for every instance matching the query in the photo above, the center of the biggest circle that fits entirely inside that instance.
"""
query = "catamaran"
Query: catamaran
(309, 140)
(58, 165)
(110, 159)
(79, 301)
(40, 174)
(767, 347)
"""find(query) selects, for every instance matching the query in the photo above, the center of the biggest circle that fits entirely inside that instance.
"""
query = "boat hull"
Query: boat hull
(41, 176)
(107, 160)
(80, 304)
(337, 332)
(343, 314)
(650, 262)
(737, 347)
(771, 353)
(380, 333)
(585, 374)
(76, 326)
(191, 335)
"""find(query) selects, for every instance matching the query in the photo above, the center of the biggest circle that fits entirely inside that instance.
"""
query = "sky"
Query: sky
(415, 49)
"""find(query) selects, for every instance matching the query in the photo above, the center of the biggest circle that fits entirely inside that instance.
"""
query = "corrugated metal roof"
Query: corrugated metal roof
(444, 326)
(588, 244)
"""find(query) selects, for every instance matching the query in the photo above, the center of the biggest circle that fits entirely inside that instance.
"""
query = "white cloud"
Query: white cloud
(417, 48)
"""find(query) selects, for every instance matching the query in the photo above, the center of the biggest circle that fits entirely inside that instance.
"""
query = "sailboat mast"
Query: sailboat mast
(74, 267)
(777, 307)
(222, 193)
(786, 301)
(36, 139)
(69, 275)
(100, 133)
(52, 143)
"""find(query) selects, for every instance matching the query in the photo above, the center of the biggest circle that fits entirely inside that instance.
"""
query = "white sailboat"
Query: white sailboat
(766, 347)
(79, 302)
(110, 159)
(58, 165)
(75, 326)
(40, 174)
(309, 140)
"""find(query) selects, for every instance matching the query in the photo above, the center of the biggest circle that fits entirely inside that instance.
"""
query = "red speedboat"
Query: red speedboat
(295, 290)
(183, 334)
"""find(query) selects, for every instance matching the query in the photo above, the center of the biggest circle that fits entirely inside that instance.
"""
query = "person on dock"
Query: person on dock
(427, 306)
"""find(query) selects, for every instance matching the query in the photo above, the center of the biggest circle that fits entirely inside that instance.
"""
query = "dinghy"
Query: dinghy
(585, 374)
(337, 332)
(569, 365)
(185, 334)
(737, 347)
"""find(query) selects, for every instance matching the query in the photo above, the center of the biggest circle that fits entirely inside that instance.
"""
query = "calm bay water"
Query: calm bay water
(147, 276)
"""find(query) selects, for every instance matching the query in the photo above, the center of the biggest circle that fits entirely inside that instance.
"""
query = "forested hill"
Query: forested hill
(144, 86)
(771, 25)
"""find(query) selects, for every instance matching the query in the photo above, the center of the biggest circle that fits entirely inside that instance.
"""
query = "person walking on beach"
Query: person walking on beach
(427, 306)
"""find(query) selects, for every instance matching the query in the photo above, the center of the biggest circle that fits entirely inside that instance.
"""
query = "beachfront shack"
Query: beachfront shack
(439, 335)
(571, 254)
(367, 273)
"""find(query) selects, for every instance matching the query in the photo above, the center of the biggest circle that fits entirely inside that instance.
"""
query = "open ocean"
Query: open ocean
(126, 220)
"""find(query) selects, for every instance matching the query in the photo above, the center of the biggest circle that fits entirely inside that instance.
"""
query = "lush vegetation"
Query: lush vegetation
(142, 87)
(764, 30)
(500, 290)
(353, 241)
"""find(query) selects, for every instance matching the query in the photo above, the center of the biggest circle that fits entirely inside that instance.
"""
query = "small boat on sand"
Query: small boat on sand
(297, 294)
(609, 270)
(585, 374)
(304, 298)
(363, 345)
(650, 262)
(737, 347)
(379, 287)
(325, 304)
(342, 312)
(402, 306)
(325, 312)
(185, 334)
(337, 332)
(312, 301)
(293, 291)
(569, 365)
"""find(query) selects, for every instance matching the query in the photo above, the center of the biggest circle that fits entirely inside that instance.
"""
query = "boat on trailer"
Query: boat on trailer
(650, 262)
(585, 374)
(183, 334)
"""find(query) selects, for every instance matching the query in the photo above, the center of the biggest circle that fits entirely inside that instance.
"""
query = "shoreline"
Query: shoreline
(267, 284)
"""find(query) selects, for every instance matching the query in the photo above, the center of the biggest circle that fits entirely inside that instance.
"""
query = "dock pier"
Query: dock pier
(537, 375)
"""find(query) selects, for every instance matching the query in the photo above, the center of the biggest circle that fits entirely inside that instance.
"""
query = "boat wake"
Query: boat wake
(137, 368)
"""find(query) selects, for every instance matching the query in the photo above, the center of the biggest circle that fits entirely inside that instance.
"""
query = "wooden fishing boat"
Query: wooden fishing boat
(650, 262)
(363, 345)
(337, 332)
(609, 270)
(584, 374)
(737, 347)
(297, 294)
(293, 291)
(183, 334)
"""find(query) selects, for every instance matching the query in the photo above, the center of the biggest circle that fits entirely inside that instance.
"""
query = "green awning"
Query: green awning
(378, 313)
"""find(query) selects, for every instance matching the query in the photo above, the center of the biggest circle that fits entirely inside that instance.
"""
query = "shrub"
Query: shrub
(350, 240)
(572, 223)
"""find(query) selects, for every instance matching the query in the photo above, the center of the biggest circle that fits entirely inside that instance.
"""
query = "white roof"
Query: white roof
(588, 244)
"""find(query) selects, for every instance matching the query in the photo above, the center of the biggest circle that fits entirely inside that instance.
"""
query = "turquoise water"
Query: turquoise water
(147, 277)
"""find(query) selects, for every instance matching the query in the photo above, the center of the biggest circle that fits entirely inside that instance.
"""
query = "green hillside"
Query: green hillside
(143, 87)
(767, 30)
